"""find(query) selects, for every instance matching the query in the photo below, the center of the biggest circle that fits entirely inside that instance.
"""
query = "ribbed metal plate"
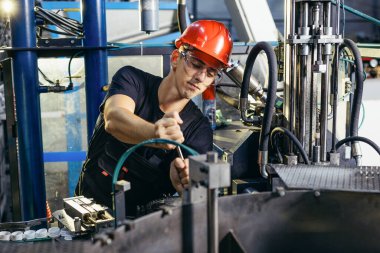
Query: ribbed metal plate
(358, 179)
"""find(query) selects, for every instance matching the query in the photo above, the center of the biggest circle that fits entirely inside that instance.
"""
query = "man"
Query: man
(140, 106)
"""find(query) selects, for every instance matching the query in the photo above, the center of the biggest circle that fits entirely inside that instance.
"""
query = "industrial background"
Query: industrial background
(50, 91)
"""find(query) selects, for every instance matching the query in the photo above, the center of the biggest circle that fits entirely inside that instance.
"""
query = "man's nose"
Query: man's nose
(201, 74)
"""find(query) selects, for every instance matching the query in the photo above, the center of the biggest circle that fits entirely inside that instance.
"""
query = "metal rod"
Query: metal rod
(327, 14)
(313, 107)
(324, 109)
(293, 17)
(302, 96)
(338, 17)
(32, 177)
(293, 73)
(334, 92)
(10, 112)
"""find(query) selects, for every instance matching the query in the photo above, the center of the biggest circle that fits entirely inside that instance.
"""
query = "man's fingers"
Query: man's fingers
(184, 173)
(185, 181)
(175, 116)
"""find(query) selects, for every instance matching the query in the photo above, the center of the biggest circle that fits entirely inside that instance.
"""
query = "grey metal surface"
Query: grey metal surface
(48, 246)
(239, 145)
(297, 221)
(357, 179)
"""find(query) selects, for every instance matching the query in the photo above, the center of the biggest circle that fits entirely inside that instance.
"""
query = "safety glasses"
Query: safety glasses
(199, 66)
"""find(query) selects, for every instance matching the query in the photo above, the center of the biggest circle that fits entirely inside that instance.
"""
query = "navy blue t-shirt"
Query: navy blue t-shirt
(148, 168)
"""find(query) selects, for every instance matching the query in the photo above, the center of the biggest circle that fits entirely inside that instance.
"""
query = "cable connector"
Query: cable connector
(357, 153)
(263, 161)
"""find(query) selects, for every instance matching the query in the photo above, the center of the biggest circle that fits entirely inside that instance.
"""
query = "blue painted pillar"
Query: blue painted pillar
(96, 67)
(32, 179)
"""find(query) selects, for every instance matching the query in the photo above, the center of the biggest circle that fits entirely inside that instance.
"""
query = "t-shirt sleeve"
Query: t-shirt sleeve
(127, 82)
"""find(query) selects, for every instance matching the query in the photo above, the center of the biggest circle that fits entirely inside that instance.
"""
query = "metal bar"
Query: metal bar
(96, 68)
(334, 91)
(324, 108)
(32, 180)
(302, 97)
(6, 66)
(212, 212)
(73, 6)
(313, 106)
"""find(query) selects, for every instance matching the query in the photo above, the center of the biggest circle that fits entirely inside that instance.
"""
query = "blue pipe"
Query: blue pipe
(32, 179)
(96, 67)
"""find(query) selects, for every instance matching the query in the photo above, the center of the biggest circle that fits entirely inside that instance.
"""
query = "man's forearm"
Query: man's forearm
(128, 127)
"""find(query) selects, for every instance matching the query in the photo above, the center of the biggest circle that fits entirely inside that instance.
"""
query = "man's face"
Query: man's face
(193, 75)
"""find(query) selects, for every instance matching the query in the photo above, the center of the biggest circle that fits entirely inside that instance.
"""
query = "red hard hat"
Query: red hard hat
(212, 42)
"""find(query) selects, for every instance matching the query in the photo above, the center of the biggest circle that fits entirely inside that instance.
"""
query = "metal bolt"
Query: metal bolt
(280, 191)
(212, 157)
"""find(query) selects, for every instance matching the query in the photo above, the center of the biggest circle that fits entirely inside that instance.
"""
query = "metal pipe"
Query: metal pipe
(293, 17)
(32, 178)
(313, 107)
(302, 97)
(337, 25)
(96, 66)
(327, 14)
(293, 81)
(304, 52)
(325, 81)
(305, 14)
(324, 109)
(334, 92)
(236, 75)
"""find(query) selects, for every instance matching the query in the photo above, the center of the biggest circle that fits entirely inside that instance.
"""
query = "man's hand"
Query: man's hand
(179, 174)
(169, 128)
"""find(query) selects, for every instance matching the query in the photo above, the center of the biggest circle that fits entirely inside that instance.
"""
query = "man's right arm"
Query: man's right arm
(124, 125)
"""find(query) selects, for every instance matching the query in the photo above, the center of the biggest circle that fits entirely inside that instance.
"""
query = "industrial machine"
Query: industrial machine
(261, 192)
(82, 215)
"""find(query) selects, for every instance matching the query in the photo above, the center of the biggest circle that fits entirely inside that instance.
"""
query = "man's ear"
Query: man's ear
(174, 59)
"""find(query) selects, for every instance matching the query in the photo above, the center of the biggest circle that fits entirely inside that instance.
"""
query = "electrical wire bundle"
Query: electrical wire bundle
(69, 26)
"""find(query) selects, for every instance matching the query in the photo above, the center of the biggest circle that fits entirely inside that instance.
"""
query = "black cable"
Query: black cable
(358, 93)
(69, 66)
(69, 21)
(358, 138)
(64, 22)
(67, 24)
(58, 24)
(45, 77)
(53, 31)
(275, 145)
(181, 17)
(62, 27)
(293, 138)
(272, 87)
